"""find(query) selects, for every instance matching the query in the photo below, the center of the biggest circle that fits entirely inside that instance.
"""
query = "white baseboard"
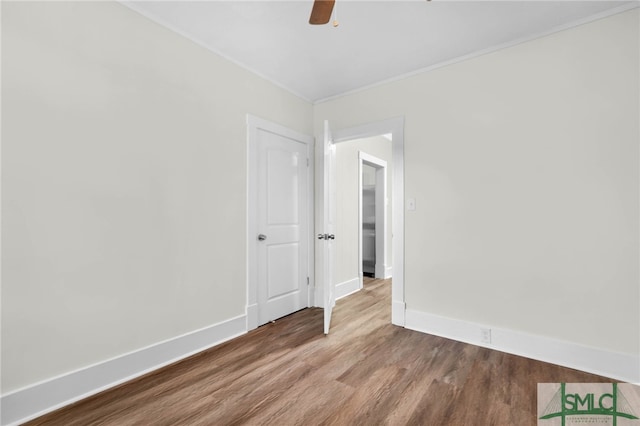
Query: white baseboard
(379, 270)
(252, 316)
(398, 314)
(33, 401)
(388, 272)
(383, 271)
(348, 287)
(619, 366)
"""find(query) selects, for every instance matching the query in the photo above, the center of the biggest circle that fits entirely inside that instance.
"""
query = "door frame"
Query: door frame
(380, 195)
(255, 124)
(395, 127)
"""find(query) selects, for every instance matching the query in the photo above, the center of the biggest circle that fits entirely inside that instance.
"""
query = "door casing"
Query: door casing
(395, 127)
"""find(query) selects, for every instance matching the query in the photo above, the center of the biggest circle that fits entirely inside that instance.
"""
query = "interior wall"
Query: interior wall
(524, 164)
(368, 175)
(123, 184)
(347, 210)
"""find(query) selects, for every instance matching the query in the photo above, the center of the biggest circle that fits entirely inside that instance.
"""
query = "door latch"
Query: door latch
(326, 237)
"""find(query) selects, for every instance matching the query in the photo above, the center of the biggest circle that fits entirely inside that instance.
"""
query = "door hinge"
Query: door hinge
(307, 162)
(307, 280)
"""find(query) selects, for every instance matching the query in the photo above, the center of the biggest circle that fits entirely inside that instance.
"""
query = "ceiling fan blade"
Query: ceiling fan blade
(321, 12)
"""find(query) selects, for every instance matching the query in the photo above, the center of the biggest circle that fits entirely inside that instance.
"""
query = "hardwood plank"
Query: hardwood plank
(368, 399)
(366, 372)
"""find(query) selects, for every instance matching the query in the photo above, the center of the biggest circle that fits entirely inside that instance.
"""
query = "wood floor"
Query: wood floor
(366, 372)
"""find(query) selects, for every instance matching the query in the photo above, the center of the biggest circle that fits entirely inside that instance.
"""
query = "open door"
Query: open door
(327, 221)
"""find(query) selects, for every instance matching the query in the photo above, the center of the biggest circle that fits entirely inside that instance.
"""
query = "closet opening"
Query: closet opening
(374, 205)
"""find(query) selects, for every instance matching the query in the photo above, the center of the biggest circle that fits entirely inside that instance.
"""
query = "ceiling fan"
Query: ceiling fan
(321, 12)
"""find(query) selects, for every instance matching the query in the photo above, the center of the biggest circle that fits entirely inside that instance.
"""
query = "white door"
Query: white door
(327, 220)
(282, 226)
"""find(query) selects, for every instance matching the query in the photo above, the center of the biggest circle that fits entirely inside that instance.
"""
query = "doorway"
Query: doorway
(395, 128)
(362, 242)
(373, 213)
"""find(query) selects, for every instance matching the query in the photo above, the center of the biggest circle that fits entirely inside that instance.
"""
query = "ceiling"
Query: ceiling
(376, 40)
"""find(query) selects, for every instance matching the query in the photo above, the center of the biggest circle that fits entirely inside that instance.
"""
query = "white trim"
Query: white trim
(486, 51)
(311, 220)
(33, 401)
(394, 126)
(388, 272)
(398, 312)
(1, 210)
(360, 233)
(348, 287)
(619, 366)
(254, 124)
(252, 316)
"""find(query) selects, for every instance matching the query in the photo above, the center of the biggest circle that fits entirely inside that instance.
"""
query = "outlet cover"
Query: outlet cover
(485, 335)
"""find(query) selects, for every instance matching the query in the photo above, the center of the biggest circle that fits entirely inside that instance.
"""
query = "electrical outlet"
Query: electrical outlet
(485, 335)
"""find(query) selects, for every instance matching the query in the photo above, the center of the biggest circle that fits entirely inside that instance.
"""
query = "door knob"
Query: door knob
(326, 237)
(262, 237)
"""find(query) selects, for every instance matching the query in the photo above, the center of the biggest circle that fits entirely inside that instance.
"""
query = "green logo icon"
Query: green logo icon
(613, 404)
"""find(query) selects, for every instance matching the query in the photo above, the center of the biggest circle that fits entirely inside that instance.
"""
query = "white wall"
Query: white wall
(347, 193)
(524, 167)
(123, 184)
